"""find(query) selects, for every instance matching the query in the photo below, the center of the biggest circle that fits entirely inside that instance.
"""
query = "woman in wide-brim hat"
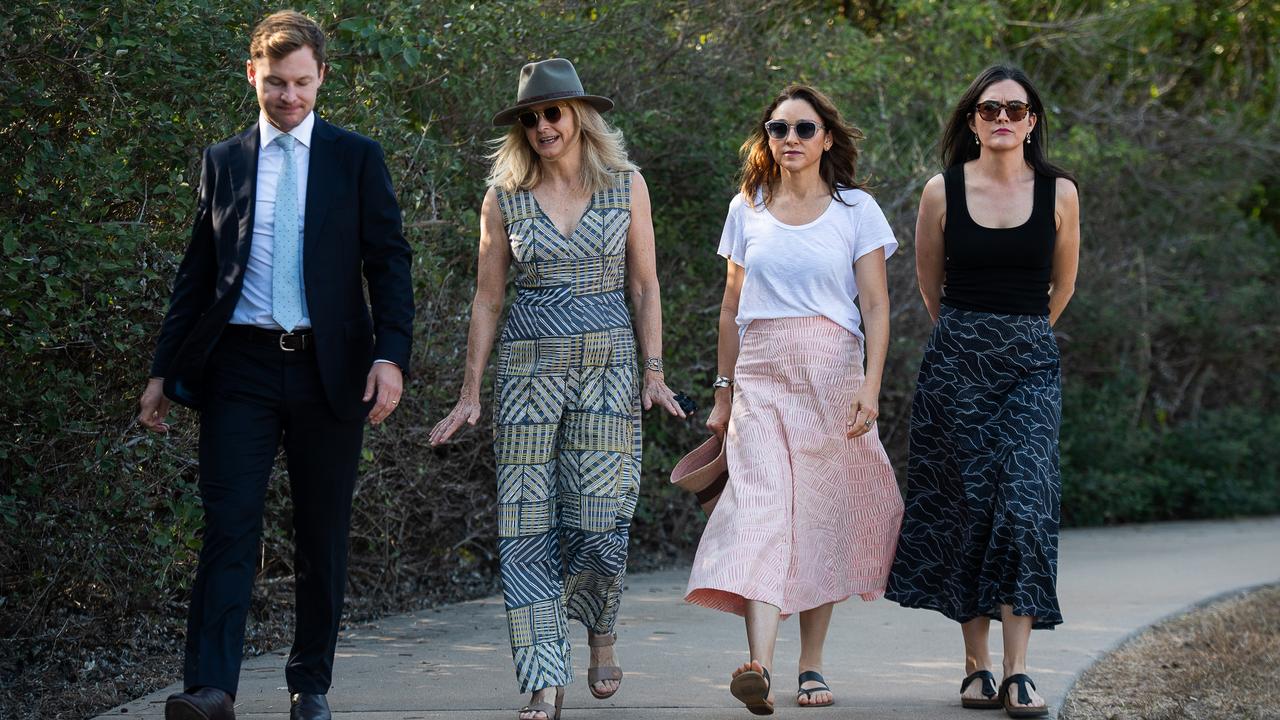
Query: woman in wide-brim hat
(571, 212)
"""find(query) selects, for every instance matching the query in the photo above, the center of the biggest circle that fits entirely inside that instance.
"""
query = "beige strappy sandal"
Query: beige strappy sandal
(551, 711)
(604, 672)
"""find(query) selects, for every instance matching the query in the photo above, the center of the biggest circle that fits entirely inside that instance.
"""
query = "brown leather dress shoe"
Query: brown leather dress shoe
(205, 703)
(309, 706)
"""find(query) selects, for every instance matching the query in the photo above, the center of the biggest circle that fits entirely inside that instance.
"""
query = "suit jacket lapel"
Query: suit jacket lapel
(323, 167)
(244, 183)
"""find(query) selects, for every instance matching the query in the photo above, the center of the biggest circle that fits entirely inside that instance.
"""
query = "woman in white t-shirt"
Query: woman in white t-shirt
(810, 514)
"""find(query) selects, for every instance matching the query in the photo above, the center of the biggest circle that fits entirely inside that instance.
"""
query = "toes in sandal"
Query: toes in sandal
(1014, 711)
(990, 699)
(752, 688)
(551, 711)
(604, 672)
(807, 693)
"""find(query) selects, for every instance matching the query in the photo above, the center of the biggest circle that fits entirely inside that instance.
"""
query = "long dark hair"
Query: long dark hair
(958, 146)
(838, 166)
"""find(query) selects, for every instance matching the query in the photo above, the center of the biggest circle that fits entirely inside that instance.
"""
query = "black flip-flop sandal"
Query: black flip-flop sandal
(813, 676)
(1013, 711)
(752, 689)
(990, 699)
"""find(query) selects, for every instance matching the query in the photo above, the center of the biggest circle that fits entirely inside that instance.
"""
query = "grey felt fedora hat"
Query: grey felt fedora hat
(548, 80)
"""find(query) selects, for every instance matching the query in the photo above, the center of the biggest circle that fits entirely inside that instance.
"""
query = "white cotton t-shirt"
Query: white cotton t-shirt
(804, 270)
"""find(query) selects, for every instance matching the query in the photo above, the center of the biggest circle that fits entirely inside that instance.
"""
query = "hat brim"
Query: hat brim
(508, 116)
(703, 472)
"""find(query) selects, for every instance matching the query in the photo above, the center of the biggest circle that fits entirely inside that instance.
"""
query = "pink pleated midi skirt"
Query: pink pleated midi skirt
(808, 517)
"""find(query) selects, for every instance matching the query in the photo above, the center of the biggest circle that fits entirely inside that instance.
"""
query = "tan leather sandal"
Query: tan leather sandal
(551, 711)
(604, 672)
(751, 688)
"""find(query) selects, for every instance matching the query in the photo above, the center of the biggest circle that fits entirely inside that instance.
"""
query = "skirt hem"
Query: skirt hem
(734, 602)
(1038, 624)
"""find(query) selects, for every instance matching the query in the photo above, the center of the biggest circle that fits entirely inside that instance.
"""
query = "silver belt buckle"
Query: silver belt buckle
(283, 345)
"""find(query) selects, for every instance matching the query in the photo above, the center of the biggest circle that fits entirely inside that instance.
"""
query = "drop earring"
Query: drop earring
(1028, 137)
(976, 141)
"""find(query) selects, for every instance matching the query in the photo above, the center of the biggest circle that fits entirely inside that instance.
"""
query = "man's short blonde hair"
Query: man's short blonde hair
(281, 33)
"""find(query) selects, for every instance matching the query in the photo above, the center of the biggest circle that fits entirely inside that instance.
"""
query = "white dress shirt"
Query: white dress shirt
(254, 307)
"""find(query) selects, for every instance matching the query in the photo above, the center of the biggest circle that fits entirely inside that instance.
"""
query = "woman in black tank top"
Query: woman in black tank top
(997, 245)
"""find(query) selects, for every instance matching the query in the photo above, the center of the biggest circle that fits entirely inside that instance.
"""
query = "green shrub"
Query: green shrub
(1166, 111)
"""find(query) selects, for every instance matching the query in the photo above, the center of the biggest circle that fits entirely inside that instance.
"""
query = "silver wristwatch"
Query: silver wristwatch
(722, 382)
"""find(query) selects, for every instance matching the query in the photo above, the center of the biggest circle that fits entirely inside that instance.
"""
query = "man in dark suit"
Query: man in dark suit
(269, 337)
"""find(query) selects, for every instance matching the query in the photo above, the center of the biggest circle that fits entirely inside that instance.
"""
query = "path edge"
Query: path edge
(1186, 610)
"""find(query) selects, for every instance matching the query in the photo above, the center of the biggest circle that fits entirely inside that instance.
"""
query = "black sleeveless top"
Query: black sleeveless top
(998, 270)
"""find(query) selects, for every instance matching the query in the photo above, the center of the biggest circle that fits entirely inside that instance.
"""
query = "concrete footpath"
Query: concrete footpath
(882, 661)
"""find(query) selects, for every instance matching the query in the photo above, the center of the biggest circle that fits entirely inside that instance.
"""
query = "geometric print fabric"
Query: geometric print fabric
(983, 488)
(566, 430)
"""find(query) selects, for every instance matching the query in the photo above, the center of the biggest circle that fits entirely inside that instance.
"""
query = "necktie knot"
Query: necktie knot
(285, 142)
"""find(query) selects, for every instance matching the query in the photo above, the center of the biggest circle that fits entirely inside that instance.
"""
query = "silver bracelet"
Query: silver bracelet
(654, 364)
(722, 382)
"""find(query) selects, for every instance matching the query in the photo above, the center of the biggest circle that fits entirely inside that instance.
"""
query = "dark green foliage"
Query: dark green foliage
(1166, 111)
(1223, 464)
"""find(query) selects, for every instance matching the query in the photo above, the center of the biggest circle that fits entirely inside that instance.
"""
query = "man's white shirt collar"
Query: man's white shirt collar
(267, 133)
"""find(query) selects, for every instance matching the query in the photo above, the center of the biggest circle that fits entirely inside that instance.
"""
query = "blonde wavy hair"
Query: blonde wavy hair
(516, 166)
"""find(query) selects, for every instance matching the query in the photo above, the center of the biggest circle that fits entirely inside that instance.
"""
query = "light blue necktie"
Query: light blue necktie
(286, 260)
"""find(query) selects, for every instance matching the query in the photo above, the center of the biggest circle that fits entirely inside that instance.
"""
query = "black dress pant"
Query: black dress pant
(260, 397)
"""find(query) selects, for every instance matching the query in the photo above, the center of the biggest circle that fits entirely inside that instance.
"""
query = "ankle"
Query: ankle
(1016, 668)
(974, 662)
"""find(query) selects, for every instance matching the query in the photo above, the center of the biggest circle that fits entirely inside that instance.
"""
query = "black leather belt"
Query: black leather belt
(296, 341)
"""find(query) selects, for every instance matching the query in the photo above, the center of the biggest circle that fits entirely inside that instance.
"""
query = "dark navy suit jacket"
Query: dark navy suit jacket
(352, 233)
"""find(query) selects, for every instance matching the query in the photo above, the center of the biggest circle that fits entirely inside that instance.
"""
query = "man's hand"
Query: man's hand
(154, 406)
(386, 382)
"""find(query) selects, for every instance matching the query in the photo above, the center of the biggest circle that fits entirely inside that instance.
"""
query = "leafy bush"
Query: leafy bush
(1223, 464)
(1166, 111)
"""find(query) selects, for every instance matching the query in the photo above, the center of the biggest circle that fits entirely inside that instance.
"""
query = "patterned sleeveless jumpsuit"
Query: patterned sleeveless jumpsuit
(566, 429)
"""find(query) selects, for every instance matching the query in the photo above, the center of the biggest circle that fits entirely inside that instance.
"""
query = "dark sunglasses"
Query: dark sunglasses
(989, 110)
(529, 118)
(778, 129)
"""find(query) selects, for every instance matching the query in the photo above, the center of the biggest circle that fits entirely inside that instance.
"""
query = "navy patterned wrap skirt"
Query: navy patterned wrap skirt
(983, 490)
